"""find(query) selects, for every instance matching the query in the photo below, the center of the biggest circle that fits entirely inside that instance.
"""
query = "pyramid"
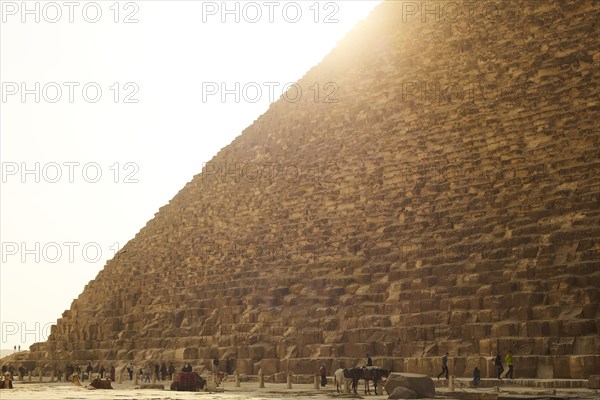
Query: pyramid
(439, 192)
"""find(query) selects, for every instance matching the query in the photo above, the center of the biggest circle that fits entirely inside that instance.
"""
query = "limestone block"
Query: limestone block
(186, 353)
(269, 366)
(422, 385)
(402, 393)
(584, 365)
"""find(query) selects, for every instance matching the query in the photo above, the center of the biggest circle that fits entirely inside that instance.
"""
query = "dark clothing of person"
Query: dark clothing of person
(171, 371)
(102, 372)
(509, 373)
(216, 364)
(323, 373)
(112, 373)
(476, 377)
(369, 361)
(130, 369)
(163, 372)
(187, 368)
(498, 364)
(444, 366)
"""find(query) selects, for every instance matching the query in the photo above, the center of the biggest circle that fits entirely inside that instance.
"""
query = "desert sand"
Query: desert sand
(128, 391)
(247, 391)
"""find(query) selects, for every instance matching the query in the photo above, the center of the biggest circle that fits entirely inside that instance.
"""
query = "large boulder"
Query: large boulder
(422, 385)
(402, 393)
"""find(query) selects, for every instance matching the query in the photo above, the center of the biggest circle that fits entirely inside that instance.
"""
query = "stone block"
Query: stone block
(269, 366)
(422, 385)
(402, 393)
(186, 353)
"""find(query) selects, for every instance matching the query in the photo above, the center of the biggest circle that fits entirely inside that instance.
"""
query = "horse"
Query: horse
(355, 374)
(339, 379)
(374, 374)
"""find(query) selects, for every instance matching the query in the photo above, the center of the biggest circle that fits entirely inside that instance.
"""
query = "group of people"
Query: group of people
(158, 372)
(229, 367)
(509, 364)
(476, 371)
(10, 370)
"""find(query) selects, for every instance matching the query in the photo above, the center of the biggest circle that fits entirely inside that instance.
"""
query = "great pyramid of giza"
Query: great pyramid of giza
(440, 193)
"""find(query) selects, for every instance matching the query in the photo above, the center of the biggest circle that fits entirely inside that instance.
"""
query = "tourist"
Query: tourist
(498, 364)
(148, 372)
(216, 365)
(171, 371)
(102, 371)
(113, 373)
(444, 366)
(156, 372)
(69, 370)
(369, 361)
(323, 373)
(187, 368)
(476, 377)
(509, 363)
(131, 371)
(163, 371)
(89, 369)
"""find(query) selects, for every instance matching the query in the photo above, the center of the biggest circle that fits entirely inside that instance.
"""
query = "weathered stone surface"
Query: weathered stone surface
(447, 201)
(594, 382)
(421, 385)
(403, 393)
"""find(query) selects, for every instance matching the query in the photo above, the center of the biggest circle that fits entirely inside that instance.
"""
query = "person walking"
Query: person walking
(216, 365)
(498, 364)
(444, 366)
(509, 363)
(130, 371)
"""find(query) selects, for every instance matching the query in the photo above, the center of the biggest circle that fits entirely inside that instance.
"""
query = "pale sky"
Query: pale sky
(107, 109)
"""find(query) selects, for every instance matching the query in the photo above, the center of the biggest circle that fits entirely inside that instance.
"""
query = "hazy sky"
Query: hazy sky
(109, 108)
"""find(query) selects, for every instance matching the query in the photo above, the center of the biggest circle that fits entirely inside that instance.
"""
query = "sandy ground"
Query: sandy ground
(127, 391)
(247, 391)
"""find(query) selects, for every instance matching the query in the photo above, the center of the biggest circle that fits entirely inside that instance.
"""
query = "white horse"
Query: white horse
(339, 379)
